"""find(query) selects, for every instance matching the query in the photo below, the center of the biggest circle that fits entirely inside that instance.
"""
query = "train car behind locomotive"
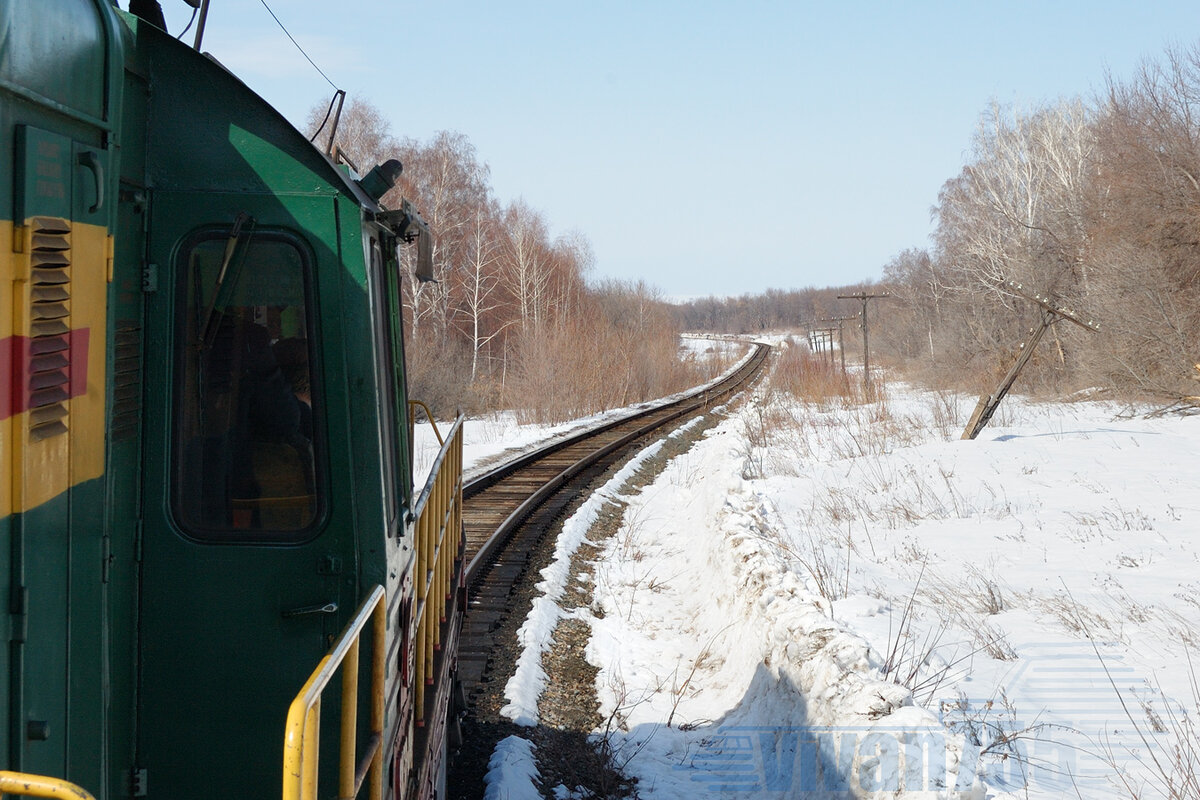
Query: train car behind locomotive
(204, 432)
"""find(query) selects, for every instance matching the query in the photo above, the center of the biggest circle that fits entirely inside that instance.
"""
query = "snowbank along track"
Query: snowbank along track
(508, 510)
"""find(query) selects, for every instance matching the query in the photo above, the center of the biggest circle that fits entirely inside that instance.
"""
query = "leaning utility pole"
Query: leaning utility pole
(1052, 312)
(864, 297)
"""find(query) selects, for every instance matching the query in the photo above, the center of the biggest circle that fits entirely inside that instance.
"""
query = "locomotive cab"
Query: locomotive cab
(209, 431)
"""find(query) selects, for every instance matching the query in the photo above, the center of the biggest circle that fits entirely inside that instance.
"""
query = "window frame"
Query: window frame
(182, 317)
(391, 386)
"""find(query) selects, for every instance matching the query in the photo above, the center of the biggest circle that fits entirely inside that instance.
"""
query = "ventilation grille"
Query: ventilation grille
(127, 380)
(49, 328)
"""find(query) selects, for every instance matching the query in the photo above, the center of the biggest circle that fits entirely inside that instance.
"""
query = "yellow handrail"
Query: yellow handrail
(40, 786)
(438, 532)
(412, 406)
(301, 739)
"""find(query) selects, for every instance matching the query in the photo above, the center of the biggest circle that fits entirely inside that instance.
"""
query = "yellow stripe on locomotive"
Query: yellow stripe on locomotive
(53, 411)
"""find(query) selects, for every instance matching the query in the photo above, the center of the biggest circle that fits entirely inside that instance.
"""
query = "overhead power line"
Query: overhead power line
(298, 47)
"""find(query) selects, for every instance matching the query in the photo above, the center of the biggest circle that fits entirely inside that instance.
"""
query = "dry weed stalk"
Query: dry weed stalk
(1173, 765)
(824, 565)
(1170, 752)
(913, 661)
(812, 379)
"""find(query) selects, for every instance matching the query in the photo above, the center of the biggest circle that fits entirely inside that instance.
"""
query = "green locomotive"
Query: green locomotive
(205, 448)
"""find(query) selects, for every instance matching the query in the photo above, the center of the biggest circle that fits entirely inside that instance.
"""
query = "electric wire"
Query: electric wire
(189, 26)
(328, 114)
(298, 47)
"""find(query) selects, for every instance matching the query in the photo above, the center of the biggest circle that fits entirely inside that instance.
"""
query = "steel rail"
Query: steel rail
(720, 387)
(684, 405)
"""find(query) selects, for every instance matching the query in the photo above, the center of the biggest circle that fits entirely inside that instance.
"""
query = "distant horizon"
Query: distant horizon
(705, 153)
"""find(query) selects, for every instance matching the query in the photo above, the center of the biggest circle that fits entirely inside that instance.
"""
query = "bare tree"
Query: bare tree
(528, 262)
(482, 299)
(504, 286)
(1017, 210)
(363, 132)
(448, 183)
(1144, 227)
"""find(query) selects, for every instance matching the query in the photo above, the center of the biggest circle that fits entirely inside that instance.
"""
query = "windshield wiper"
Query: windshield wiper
(209, 323)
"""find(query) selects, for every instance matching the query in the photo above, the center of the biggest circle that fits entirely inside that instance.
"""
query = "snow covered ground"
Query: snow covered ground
(829, 601)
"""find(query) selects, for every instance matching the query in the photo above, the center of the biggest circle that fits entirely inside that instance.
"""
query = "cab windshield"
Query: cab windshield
(246, 465)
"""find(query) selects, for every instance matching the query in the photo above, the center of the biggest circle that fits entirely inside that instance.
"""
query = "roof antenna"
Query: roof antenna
(200, 25)
(339, 97)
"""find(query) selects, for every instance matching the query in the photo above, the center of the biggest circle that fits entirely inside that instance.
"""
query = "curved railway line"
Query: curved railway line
(495, 503)
(507, 513)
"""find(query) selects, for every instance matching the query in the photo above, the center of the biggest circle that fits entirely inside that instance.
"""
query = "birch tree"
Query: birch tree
(448, 183)
(363, 132)
(482, 300)
(1017, 210)
(527, 263)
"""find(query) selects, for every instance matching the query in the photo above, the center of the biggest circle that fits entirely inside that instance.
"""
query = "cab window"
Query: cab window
(389, 370)
(246, 444)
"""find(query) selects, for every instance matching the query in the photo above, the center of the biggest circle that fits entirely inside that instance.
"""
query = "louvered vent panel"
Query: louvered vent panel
(127, 380)
(49, 313)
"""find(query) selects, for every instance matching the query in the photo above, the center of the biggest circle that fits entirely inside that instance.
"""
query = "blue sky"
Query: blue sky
(706, 148)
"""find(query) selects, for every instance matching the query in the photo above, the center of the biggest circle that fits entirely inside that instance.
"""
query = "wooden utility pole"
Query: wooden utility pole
(827, 338)
(864, 297)
(841, 337)
(1052, 312)
(842, 349)
(820, 340)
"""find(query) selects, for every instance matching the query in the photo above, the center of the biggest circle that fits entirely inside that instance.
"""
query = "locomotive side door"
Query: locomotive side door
(52, 342)
(246, 570)
(122, 501)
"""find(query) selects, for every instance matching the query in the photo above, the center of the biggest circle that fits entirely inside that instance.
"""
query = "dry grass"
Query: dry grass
(812, 378)
(1169, 756)
(552, 378)
(1081, 621)
(948, 418)
(825, 563)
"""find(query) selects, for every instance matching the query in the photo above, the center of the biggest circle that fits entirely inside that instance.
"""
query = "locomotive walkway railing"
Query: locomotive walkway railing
(439, 542)
(19, 783)
(301, 741)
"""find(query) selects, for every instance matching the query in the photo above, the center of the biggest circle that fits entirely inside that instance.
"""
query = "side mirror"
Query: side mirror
(407, 224)
(424, 268)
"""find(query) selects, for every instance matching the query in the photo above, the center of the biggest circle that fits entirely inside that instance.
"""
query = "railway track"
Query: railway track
(507, 513)
(497, 502)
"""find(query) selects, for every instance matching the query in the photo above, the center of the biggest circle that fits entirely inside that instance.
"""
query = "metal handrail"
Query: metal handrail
(301, 739)
(437, 523)
(40, 786)
(413, 405)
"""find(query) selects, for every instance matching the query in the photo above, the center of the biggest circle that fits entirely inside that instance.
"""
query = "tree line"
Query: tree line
(511, 320)
(1095, 202)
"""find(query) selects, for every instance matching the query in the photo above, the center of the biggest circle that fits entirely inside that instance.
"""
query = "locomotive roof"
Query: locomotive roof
(207, 130)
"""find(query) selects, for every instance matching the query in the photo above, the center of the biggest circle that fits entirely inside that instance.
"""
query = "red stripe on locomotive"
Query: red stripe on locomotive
(37, 372)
